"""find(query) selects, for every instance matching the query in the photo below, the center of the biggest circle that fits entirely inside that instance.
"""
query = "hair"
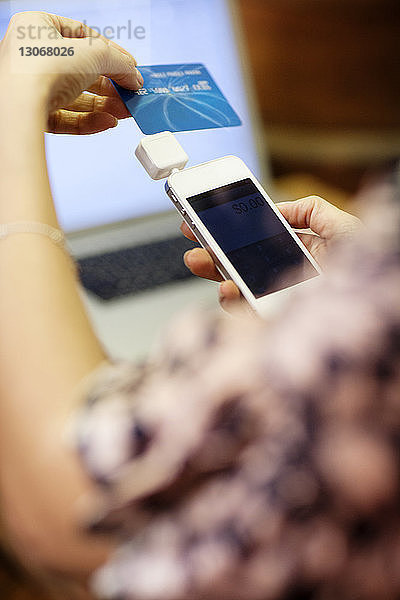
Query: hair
(17, 583)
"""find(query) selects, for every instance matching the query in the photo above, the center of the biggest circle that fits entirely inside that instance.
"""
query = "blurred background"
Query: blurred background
(327, 77)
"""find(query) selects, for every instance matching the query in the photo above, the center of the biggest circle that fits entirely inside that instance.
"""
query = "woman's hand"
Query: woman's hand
(326, 222)
(60, 348)
(57, 82)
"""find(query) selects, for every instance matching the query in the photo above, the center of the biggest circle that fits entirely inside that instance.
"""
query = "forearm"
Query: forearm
(46, 346)
(39, 289)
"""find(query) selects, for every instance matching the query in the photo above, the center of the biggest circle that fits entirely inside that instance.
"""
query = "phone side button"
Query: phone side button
(193, 226)
(172, 197)
(180, 207)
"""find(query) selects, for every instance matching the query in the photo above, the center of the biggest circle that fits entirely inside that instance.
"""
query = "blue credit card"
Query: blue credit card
(178, 98)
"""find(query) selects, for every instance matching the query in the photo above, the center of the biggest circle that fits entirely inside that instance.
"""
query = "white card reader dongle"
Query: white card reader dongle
(160, 154)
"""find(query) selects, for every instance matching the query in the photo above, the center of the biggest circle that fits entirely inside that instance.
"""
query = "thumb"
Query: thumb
(112, 61)
(323, 218)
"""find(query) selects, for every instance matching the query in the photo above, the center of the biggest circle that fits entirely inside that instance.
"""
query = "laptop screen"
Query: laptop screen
(97, 180)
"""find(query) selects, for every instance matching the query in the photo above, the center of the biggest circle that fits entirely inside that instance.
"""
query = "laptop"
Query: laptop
(106, 202)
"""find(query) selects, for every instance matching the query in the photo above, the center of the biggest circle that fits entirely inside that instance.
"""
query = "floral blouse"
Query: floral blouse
(258, 460)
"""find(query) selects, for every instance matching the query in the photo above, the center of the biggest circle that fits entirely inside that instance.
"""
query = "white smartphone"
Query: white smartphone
(235, 220)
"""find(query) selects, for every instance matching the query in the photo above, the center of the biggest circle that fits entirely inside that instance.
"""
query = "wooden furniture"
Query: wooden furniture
(328, 82)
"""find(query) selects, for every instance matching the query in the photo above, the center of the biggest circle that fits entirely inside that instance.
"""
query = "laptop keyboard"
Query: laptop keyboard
(132, 270)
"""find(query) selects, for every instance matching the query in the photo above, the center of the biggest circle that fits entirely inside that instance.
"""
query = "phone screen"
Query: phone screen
(252, 236)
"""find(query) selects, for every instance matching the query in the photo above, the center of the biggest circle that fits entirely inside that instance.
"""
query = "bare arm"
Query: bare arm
(47, 344)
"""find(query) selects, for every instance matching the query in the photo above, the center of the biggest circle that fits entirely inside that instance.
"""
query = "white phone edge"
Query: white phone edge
(212, 175)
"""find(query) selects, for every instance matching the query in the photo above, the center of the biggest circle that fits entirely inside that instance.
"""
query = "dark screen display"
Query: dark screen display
(254, 239)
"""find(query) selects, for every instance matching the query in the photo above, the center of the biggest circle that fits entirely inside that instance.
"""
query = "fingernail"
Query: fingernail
(224, 303)
(186, 257)
(139, 77)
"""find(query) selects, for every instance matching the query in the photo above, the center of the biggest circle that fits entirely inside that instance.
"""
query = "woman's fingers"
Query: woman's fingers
(201, 264)
(316, 245)
(71, 28)
(94, 103)
(308, 213)
(120, 66)
(187, 232)
(229, 296)
(323, 218)
(80, 123)
(89, 113)
(112, 60)
(103, 87)
(199, 260)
